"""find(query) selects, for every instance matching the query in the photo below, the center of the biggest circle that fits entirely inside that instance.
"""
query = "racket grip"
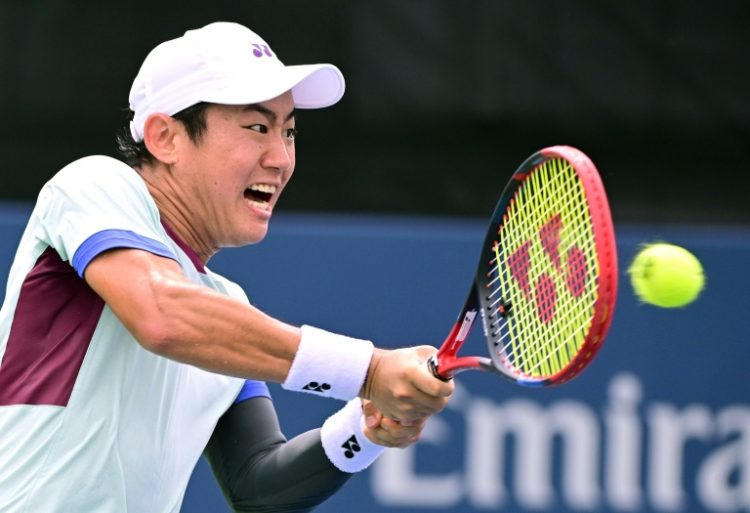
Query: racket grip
(432, 364)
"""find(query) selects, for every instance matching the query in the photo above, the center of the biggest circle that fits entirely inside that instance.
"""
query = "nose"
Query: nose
(279, 153)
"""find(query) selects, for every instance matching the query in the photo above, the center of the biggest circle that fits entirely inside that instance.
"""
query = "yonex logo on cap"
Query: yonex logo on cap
(261, 50)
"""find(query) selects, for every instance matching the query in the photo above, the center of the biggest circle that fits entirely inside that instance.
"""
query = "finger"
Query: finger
(425, 381)
(371, 413)
(398, 438)
(395, 435)
(381, 437)
(392, 425)
(400, 430)
(420, 405)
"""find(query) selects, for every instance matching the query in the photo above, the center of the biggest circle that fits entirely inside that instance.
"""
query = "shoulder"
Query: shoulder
(97, 182)
(92, 195)
(96, 170)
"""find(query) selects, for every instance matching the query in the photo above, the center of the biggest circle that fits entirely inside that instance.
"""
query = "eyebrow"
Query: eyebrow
(271, 115)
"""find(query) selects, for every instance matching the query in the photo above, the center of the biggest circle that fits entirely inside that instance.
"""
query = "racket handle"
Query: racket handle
(432, 364)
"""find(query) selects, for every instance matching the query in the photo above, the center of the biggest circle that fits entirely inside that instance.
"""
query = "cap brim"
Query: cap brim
(313, 86)
(323, 85)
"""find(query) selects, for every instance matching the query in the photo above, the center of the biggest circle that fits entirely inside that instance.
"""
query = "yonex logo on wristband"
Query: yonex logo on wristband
(314, 386)
(351, 446)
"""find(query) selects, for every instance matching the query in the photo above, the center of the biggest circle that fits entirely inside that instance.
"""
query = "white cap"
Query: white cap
(224, 63)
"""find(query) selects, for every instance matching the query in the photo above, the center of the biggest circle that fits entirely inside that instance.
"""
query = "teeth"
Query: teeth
(262, 187)
(261, 205)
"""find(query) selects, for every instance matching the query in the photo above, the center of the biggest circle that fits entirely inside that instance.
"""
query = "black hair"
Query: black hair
(136, 154)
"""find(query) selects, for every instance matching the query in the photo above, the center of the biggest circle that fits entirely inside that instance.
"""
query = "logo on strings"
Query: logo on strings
(544, 291)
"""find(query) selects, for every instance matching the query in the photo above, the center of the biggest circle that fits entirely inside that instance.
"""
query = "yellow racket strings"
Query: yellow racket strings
(547, 269)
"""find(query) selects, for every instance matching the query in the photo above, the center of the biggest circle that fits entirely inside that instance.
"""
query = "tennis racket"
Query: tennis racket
(546, 283)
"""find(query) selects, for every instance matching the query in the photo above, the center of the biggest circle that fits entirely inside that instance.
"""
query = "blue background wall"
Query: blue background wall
(659, 422)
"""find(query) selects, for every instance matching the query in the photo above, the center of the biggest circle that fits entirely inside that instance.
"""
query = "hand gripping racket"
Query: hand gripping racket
(546, 283)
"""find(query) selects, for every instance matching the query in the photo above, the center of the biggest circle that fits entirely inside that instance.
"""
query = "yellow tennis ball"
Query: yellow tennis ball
(666, 275)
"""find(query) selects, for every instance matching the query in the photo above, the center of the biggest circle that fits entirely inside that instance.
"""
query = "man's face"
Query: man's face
(234, 175)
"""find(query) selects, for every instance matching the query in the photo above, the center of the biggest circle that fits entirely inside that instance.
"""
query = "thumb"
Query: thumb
(425, 352)
(371, 413)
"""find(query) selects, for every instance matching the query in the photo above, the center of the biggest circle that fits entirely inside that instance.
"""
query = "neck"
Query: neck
(175, 212)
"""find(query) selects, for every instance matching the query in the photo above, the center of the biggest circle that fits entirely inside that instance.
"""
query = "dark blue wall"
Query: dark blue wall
(659, 422)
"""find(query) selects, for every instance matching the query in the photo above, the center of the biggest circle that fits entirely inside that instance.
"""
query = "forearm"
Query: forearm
(193, 324)
(230, 337)
(196, 325)
(204, 328)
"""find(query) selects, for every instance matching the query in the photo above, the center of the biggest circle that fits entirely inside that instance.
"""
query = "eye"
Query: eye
(291, 133)
(263, 129)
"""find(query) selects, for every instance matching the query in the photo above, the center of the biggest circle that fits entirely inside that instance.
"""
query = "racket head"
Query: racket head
(546, 283)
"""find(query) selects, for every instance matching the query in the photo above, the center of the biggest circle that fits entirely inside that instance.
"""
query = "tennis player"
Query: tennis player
(124, 357)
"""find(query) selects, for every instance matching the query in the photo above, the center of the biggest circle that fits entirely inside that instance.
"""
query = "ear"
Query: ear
(159, 134)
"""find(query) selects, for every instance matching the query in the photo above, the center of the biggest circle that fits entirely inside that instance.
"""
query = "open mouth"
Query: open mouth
(260, 194)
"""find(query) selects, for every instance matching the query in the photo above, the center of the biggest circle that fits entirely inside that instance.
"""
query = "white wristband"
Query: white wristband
(344, 441)
(329, 365)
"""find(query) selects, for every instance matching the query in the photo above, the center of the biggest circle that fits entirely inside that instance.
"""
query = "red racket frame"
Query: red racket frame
(447, 363)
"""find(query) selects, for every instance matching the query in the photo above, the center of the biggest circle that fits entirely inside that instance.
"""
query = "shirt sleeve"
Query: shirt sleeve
(110, 239)
(251, 389)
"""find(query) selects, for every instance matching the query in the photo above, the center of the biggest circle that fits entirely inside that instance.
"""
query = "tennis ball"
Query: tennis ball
(666, 275)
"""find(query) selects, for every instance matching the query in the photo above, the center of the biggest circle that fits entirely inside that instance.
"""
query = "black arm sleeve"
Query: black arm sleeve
(260, 471)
